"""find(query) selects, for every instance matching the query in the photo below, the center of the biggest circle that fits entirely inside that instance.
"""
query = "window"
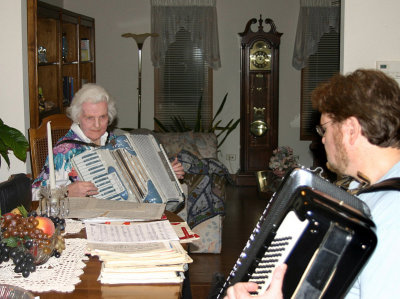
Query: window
(180, 83)
(321, 66)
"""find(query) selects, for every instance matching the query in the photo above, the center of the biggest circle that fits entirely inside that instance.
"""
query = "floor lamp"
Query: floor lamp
(139, 38)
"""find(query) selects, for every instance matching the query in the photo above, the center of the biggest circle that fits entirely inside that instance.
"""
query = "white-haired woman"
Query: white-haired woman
(92, 110)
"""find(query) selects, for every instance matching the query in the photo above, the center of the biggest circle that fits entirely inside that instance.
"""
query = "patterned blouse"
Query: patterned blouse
(63, 154)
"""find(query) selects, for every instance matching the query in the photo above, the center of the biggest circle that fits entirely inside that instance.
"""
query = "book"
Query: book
(85, 49)
(68, 90)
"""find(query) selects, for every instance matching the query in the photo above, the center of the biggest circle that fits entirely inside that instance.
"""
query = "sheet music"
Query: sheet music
(139, 232)
(90, 207)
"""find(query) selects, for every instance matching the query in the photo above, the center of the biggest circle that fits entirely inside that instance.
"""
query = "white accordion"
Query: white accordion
(133, 168)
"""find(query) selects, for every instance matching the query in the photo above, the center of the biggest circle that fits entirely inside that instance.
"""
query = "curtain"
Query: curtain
(199, 17)
(315, 19)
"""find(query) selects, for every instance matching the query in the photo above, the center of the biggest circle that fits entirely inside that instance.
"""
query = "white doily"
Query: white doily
(58, 274)
(73, 226)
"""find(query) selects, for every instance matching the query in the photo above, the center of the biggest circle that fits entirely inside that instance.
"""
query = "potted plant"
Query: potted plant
(214, 127)
(13, 140)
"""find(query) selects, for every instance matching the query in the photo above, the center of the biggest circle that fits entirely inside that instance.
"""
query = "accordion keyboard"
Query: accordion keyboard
(288, 233)
(92, 168)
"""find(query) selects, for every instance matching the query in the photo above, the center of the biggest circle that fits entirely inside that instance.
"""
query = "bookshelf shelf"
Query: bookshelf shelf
(60, 69)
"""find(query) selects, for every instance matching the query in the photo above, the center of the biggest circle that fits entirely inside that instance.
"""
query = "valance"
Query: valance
(316, 17)
(199, 17)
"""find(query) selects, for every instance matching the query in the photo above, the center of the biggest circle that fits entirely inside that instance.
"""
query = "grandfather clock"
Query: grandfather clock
(259, 96)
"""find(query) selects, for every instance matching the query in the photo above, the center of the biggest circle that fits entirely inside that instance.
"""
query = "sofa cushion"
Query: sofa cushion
(203, 145)
(175, 142)
(206, 144)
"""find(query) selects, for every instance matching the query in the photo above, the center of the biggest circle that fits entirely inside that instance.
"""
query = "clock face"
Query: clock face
(260, 56)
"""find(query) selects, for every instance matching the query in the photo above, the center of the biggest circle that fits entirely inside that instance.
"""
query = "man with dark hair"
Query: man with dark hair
(360, 129)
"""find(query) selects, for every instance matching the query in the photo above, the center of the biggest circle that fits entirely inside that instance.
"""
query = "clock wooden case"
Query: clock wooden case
(259, 64)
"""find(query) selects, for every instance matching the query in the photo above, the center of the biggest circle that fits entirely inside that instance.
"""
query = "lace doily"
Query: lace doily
(73, 226)
(58, 274)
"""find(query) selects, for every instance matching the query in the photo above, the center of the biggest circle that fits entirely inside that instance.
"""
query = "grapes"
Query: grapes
(23, 261)
(25, 244)
(28, 244)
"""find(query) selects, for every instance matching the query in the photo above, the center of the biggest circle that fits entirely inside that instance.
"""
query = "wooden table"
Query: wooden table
(90, 287)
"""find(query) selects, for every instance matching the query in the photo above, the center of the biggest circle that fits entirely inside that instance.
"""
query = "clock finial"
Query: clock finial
(260, 26)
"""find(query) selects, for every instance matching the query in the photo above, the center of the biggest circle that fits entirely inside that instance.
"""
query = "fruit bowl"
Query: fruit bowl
(30, 240)
(41, 252)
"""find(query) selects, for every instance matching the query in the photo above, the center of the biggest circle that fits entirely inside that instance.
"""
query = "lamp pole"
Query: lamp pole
(139, 38)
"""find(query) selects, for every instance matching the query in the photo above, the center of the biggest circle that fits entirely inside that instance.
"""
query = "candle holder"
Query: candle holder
(54, 202)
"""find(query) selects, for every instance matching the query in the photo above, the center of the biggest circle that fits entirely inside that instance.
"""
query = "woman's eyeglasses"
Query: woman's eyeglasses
(320, 128)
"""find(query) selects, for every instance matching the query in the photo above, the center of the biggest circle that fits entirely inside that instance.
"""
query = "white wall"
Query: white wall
(371, 33)
(13, 75)
(116, 65)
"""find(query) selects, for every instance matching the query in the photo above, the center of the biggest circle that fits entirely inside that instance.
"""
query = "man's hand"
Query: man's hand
(82, 189)
(241, 290)
(178, 168)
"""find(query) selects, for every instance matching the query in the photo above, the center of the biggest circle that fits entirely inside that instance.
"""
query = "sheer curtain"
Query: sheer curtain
(315, 18)
(199, 17)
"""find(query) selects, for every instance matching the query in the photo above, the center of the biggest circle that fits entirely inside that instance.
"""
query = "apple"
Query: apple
(46, 225)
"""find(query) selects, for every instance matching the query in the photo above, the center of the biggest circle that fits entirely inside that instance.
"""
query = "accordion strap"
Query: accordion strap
(77, 142)
(389, 184)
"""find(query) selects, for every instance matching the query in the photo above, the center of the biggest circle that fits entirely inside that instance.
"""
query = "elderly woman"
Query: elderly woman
(92, 110)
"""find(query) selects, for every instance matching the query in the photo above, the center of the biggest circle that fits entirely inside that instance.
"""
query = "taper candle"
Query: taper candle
(50, 157)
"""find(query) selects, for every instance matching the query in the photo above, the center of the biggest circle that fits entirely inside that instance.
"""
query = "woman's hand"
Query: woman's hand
(82, 189)
(241, 290)
(178, 168)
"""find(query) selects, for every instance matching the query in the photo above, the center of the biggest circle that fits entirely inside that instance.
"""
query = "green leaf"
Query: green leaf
(12, 139)
(12, 241)
(4, 152)
(160, 125)
(221, 106)
(233, 127)
(23, 211)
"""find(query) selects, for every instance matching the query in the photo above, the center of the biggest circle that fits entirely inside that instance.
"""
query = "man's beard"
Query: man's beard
(341, 160)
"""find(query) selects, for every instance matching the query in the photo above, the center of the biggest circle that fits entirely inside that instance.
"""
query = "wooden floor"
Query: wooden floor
(243, 208)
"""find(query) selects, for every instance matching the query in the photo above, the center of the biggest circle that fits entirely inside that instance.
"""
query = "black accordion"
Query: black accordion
(324, 235)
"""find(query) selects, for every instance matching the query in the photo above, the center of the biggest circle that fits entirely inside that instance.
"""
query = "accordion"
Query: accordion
(133, 168)
(324, 235)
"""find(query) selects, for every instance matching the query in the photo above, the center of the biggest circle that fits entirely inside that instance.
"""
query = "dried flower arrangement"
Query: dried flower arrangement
(282, 160)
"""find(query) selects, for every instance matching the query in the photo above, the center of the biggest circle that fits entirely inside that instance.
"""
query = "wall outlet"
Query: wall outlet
(230, 157)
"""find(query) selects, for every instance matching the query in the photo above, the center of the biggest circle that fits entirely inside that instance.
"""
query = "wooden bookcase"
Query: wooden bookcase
(57, 75)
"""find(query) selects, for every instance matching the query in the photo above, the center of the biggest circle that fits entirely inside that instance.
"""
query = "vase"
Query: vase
(267, 182)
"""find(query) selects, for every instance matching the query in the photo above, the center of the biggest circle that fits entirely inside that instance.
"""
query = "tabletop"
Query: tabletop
(90, 287)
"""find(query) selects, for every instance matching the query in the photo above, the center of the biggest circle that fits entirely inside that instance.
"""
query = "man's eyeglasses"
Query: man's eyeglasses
(320, 128)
